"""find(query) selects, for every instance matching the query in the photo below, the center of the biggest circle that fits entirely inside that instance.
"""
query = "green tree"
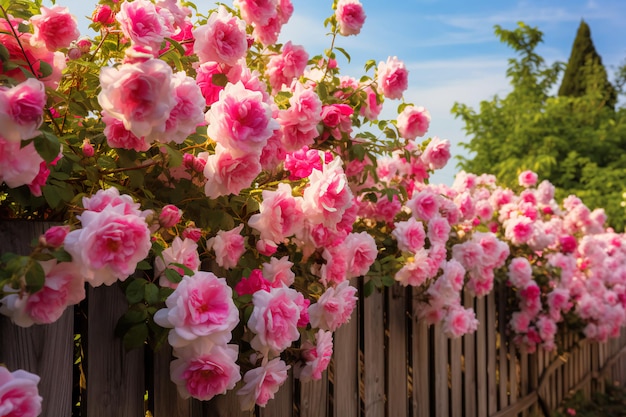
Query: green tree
(576, 142)
(585, 68)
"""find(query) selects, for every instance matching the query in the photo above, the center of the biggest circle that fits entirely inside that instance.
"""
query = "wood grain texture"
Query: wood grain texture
(397, 375)
(374, 356)
(115, 378)
(469, 362)
(441, 371)
(345, 371)
(46, 350)
(421, 363)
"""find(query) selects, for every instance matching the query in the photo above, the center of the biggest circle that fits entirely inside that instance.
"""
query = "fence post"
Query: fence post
(46, 350)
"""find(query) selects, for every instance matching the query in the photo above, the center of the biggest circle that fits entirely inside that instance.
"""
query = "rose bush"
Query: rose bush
(232, 186)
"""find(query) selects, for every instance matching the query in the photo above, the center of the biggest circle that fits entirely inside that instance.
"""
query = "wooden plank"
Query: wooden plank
(222, 406)
(115, 378)
(469, 362)
(397, 377)
(282, 403)
(441, 371)
(456, 377)
(345, 371)
(46, 350)
(491, 353)
(167, 402)
(481, 358)
(513, 373)
(524, 377)
(503, 360)
(421, 363)
(313, 400)
(374, 356)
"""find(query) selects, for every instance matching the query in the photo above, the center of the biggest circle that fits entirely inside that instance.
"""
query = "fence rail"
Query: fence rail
(386, 362)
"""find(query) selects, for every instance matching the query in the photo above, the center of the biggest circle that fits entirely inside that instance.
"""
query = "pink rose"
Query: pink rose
(299, 121)
(470, 254)
(253, 283)
(257, 12)
(19, 396)
(459, 321)
(335, 270)
(416, 271)
(520, 272)
(170, 216)
(527, 179)
(266, 247)
(18, 166)
(143, 24)
(268, 33)
(519, 229)
(274, 319)
(112, 197)
(109, 244)
(302, 162)
(55, 235)
(21, 109)
(284, 68)
(227, 174)
(337, 119)
(204, 79)
(350, 17)
(454, 274)
(410, 235)
(188, 112)
(280, 214)
(361, 251)
(63, 286)
(438, 230)
(372, 106)
(119, 137)
(425, 204)
(279, 271)
(204, 370)
(103, 15)
(262, 383)
(228, 247)
(240, 120)
(392, 78)
(316, 357)
(334, 307)
(141, 95)
(437, 153)
(328, 196)
(192, 233)
(222, 39)
(413, 122)
(200, 307)
(520, 321)
(558, 301)
(182, 251)
(55, 28)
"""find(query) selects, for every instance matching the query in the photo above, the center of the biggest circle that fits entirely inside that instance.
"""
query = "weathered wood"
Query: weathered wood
(222, 406)
(46, 350)
(397, 400)
(456, 378)
(313, 393)
(167, 402)
(481, 359)
(441, 371)
(503, 360)
(345, 371)
(421, 363)
(313, 399)
(374, 356)
(469, 365)
(115, 378)
(491, 353)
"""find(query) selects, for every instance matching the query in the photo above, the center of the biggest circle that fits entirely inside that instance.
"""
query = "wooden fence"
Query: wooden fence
(386, 363)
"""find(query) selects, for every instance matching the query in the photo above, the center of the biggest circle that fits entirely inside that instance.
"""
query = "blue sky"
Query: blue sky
(449, 46)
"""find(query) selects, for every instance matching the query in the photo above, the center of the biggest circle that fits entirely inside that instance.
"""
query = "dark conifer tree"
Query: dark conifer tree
(585, 71)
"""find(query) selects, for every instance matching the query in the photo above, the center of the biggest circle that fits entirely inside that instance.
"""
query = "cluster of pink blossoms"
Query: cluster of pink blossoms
(301, 203)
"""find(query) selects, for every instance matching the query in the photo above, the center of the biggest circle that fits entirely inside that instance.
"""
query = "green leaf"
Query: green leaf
(165, 292)
(47, 146)
(136, 336)
(368, 288)
(35, 277)
(135, 290)
(45, 69)
(105, 161)
(53, 198)
(62, 256)
(137, 313)
(151, 293)
(344, 52)
(4, 53)
(173, 276)
(176, 156)
(144, 265)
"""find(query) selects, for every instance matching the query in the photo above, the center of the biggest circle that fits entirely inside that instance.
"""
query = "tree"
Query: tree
(576, 142)
(585, 68)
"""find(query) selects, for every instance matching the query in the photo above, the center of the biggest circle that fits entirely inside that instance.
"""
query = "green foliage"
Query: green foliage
(584, 69)
(575, 142)
(611, 403)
